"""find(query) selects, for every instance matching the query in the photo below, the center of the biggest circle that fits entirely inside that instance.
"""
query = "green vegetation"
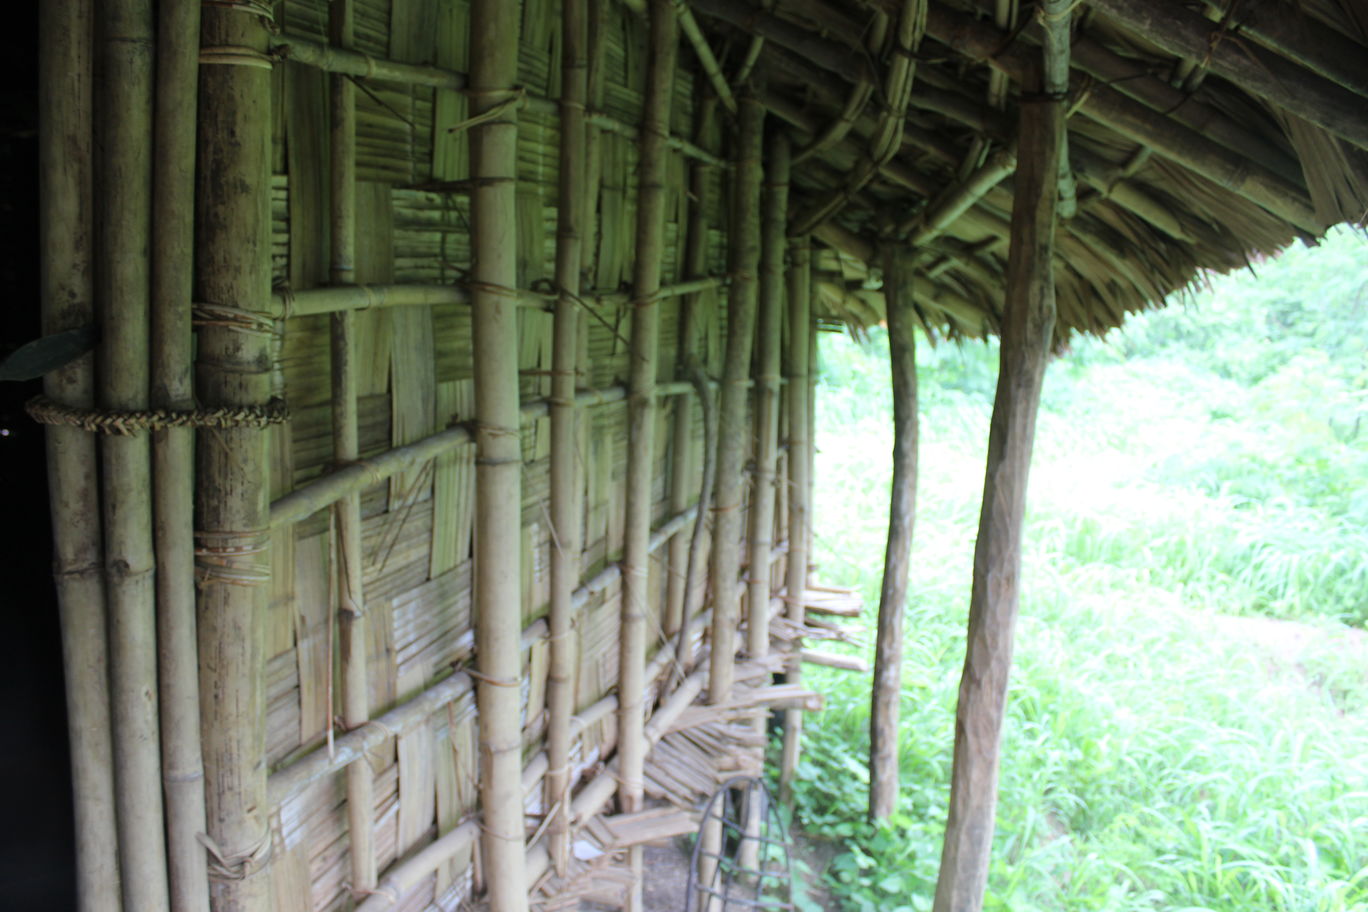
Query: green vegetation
(1188, 716)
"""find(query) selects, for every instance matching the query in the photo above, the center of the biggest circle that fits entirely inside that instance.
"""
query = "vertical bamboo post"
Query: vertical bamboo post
(566, 504)
(886, 694)
(173, 449)
(351, 607)
(636, 562)
(1056, 19)
(593, 139)
(686, 554)
(800, 475)
(123, 289)
(498, 480)
(233, 269)
(741, 306)
(65, 88)
(774, 219)
(1027, 330)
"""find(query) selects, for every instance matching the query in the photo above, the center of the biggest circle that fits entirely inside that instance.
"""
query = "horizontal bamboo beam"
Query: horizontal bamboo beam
(365, 66)
(410, 872)
(1296, 89)
(835, 660)
(943, 212)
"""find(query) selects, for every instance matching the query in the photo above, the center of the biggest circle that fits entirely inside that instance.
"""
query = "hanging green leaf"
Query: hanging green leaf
(49, 353)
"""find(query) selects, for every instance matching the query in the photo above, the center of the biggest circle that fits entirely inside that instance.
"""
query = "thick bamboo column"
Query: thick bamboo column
(351, 602)
(65, 166)
(173, 449)
(124, 136)
(1027, 331)
(800, 480)
(774, 220)
(1056, 20)
(641, 413)
(741, 306)
(566, 501)
(233, 269)
(498, 473)
(886, 692)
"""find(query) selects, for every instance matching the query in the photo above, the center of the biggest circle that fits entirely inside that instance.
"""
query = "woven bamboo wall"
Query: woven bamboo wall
(416, 379)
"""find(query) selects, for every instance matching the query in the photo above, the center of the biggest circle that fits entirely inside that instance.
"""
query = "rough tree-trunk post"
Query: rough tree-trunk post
(65, 166)
(1027, 331)
(233, 368)
(173, 449)
(566, 502)
(498, 441)
(641, 411)
(800, 474)
(886, 693)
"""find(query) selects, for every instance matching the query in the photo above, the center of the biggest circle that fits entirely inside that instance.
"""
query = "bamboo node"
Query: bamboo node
(240, 866)
(233, 55)
(126, 423)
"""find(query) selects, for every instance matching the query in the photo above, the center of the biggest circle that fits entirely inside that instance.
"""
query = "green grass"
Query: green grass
(1159, 753)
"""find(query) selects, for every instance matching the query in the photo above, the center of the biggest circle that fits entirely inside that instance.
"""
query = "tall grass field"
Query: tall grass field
(1187, 721)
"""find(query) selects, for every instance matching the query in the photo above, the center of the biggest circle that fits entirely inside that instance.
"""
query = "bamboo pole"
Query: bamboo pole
(173, 259)
(1027, 333)
(745, 256)
(123, 288)
(886, 693)
(774, 220)
(65, 166)
(707, 61)
(641, 414)
(681, 600)
(800, 478)
(351, 602)
(233, 268)
(498, 577)
(566, 501)
(1056, 21)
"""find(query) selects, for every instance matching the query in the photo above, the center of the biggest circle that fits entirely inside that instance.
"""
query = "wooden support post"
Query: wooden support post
(233, 269)
(800, 480)
(641, 412)
(566, 499)
(65, 168)
(351, 602)
(498, 487)
(1027, 333)
(886, 694)
(774, 220)
(123, 290)
(173, 449)
(745, 257)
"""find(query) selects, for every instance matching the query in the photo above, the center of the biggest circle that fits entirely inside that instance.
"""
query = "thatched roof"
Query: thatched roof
(1183, 163)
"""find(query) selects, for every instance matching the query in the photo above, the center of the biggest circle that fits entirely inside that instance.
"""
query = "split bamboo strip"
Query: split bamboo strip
(886, 692)
(800, 477)
(498, 578)
(745, 256)
(641, 415)
(173, 454)
(233, 268)
(1027, 334)
(834, 660)
(349, 588)
(566, 498)
(769, 329)
(316, 495)
(682, 584)
(65, 126)
(124, 134)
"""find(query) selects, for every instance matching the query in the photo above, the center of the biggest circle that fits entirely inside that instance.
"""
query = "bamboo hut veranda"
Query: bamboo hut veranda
(432, 516)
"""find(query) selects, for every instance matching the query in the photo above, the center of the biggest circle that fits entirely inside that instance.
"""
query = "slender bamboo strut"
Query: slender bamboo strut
(124, 196)
(641, 413)
(1056, 21)
(233, 267)
(566, 500)
(1027, 334)
(745, 257)
(886, 691)
(349, 589)
(66, 233)
(172, 347)
(800, 441)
